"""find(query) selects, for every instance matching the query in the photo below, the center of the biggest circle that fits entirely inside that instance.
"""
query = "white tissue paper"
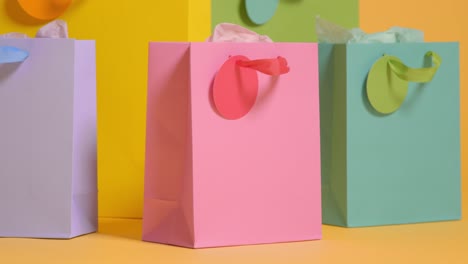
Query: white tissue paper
(227, 32)
(55, 29)
(330, 33)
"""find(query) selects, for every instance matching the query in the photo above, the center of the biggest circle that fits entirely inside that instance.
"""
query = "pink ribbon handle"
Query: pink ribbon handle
(235, 87)
(273, 67)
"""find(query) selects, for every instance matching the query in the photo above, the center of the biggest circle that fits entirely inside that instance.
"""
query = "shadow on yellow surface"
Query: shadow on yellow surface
(118, 241)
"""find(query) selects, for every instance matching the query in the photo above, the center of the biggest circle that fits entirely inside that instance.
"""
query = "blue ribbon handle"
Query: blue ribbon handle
(10, 54)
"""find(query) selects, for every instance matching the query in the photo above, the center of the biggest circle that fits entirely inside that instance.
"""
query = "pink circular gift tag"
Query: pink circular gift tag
(235, 89)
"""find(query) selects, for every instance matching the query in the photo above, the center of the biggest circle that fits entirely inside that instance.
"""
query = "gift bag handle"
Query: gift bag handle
(386, 90)
(9, 54)
(235, 86)
(420, 75)
(273, 67)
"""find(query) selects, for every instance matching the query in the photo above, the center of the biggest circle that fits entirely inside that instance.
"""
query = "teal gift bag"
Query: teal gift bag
(390, 133)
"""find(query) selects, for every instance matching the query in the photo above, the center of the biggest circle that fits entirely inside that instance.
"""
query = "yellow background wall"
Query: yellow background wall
(441, 21)
(122, 30)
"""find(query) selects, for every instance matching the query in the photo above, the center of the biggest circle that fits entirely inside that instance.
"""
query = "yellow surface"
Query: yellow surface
(122, 52)
(122, 30)
(119, 242)
(441, 21)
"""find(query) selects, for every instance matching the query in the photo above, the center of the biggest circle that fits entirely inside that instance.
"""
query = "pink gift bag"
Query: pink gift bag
(232, 144)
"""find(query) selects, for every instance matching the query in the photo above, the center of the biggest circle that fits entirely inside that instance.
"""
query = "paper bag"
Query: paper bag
(245, 170)
(48, 140)
(390, 133)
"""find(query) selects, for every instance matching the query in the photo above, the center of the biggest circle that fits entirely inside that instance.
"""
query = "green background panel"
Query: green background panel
(294, 20)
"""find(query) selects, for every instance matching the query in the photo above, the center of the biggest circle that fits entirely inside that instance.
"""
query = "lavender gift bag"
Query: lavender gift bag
(47, 138)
